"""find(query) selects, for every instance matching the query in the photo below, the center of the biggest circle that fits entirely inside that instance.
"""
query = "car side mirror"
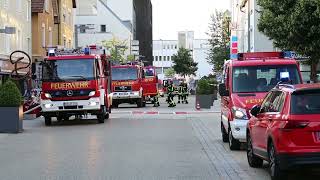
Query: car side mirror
(255, 110)
(223, 90)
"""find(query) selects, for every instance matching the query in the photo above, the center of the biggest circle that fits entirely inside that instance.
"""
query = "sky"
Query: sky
(171, 16)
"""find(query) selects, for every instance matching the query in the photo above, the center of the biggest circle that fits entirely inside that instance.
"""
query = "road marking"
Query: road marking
(164, 112)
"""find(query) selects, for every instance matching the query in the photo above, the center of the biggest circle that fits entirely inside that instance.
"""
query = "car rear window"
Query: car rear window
(306, 102)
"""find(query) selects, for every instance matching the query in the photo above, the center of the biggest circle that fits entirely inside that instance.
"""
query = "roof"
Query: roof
(264, 62)
(125, 66)
(37, 6)
(71, 57)
(299, 87)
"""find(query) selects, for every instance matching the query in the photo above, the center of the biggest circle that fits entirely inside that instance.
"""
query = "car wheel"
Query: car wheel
(253, 160)
(274, 165)
(234, 144)
(225, 137)
(59, 119)
(47, 121)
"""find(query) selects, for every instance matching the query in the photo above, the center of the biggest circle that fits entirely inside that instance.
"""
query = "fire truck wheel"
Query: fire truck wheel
(102, 116)
(107, 116)
(47, 121)
(59, 119)
(140, 103)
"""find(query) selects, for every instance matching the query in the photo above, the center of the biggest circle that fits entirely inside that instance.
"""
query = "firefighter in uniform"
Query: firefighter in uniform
(171, 95)
(180, 92)
(156, 100)
(185, 93)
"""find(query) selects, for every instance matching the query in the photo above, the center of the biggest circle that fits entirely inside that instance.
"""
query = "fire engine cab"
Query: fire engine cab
(127, 82)
(246, 81)
(75, 83)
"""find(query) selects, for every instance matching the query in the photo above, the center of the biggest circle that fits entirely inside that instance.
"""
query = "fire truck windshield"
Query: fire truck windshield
(119, 74)
(66, 70)
(261, 78)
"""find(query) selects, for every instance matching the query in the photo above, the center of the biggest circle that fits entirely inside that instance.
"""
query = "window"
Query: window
(19, 5)
(160, 58)
(164, 58)
(172, 46)
(46, 5)
(82, 28)
(50, 36)
(261, 78)
(156, 58)
(103, 28)
(28, 10)
(175, 47)
(274, 102)
(305, 102)
(64, 15)
(43, 32)
(64, 42)
(168, 58)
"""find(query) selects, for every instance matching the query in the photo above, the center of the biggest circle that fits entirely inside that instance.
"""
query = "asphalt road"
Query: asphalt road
(137, 146)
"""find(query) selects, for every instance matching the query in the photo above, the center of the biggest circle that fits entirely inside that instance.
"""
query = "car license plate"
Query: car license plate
(70, 104)
(123, 94)
(317, 136)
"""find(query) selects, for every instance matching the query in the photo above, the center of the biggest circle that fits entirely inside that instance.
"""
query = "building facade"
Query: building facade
(144, 28)
(15, 32)
(96, 22)
(164, 50)
(42, 27)
(64, 23)
(244, 25)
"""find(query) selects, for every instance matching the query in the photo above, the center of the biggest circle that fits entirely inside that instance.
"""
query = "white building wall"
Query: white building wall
(125, 10)
(114, 26)
(258, 41)
(200, 53)
(16, 14)
(168, 48)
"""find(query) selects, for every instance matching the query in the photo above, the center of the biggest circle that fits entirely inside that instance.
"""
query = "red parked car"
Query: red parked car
(285, 129)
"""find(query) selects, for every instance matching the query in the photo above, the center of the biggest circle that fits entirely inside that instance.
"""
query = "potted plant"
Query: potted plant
(205, 92)
(10, 108)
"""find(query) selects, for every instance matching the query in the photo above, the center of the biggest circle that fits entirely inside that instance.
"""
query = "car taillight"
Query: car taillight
(289, 125)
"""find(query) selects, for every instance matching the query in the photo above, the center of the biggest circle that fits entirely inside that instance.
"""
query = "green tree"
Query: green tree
(293, 25)
(184, 63)
(169, 72)
(117, 49)
(219, 33)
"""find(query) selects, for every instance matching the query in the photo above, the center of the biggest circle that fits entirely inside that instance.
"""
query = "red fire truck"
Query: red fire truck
(127, 82)
(150, 83)
(76, 84)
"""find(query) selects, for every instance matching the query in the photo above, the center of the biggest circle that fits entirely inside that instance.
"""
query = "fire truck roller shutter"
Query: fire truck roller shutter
(102, 96)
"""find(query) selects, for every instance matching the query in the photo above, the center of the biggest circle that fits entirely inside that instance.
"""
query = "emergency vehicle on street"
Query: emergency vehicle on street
(75, 83)
(127, 80)
(285, 129)
(246, 82)
(150, 83)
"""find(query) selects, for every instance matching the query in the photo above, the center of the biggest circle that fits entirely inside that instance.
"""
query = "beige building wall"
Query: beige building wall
(42, 30)
(15, 14)
(65, 29)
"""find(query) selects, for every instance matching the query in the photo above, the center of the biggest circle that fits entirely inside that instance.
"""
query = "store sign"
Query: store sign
(234, 47)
